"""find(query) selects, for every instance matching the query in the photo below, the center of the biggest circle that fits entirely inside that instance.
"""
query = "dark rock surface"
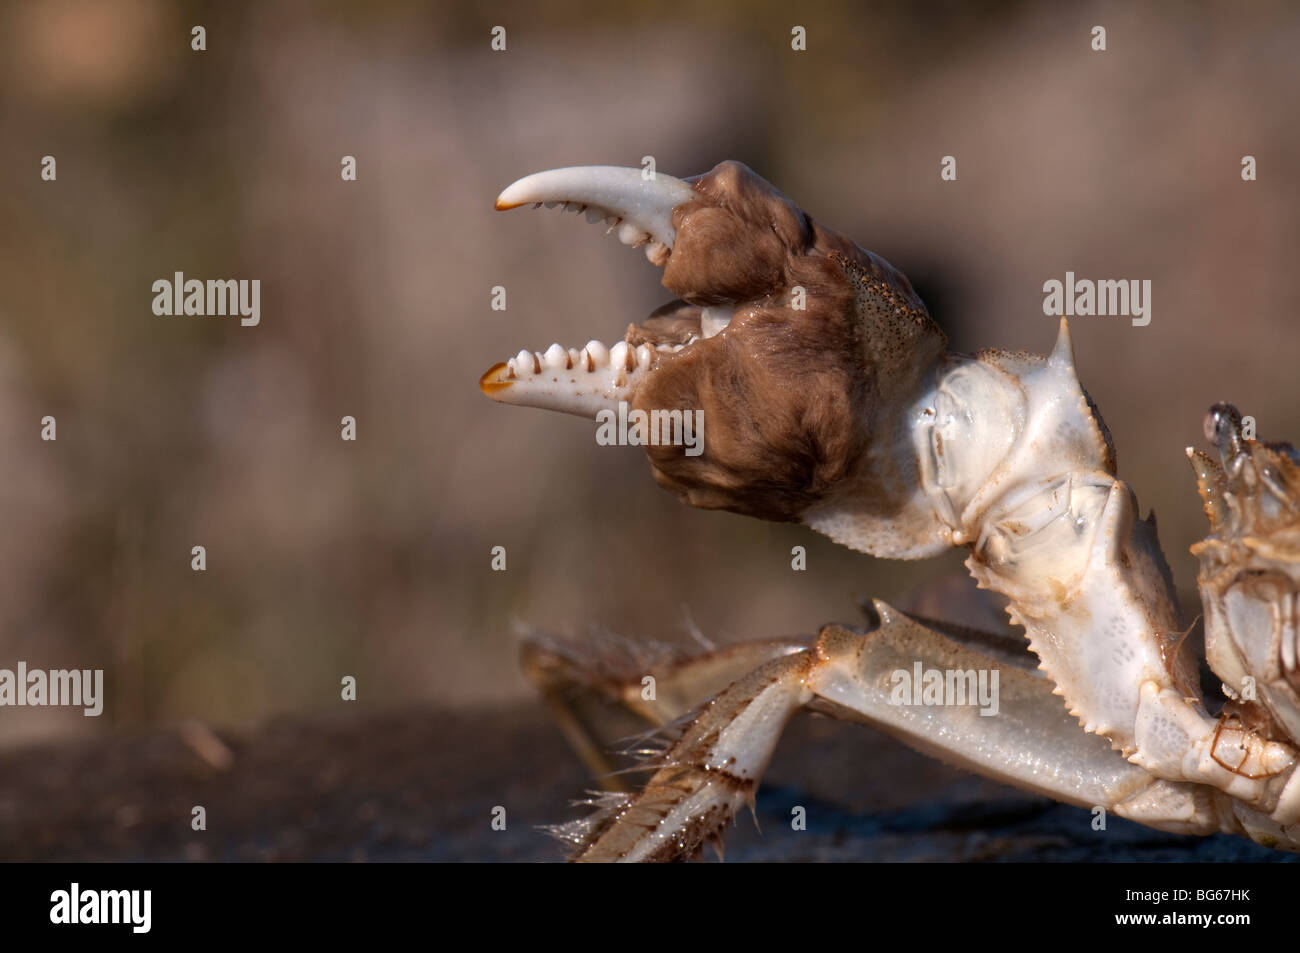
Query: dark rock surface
(420, 785)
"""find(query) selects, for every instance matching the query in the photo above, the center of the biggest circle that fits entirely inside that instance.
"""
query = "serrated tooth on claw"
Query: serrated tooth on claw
(629, 234)
(621, 356)
(645, 205)
(555, 358)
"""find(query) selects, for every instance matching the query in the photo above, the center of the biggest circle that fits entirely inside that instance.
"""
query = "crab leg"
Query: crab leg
(568, 674)
(1030, 742)
(617, 671)
(708, 775)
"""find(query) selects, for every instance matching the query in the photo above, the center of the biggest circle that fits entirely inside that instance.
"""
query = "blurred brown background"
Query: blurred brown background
(372, 558)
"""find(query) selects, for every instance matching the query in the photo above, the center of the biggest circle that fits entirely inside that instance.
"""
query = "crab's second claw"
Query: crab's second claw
(582, 382)
(640, 206)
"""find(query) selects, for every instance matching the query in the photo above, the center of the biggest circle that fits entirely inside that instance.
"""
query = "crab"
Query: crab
(830, 398)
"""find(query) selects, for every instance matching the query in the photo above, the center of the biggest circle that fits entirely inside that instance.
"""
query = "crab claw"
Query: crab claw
(799, 351)
(638, 204)
(639, 207)
(572, 381)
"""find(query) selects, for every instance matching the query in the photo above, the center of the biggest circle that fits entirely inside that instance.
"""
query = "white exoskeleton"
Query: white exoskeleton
(831, 399)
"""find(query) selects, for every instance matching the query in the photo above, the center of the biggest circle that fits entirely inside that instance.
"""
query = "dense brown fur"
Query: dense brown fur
(800, 404)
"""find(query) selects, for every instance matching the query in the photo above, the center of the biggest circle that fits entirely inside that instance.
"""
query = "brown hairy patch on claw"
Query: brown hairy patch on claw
(802, 392)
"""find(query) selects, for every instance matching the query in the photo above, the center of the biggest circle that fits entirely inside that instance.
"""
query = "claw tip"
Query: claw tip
(493, 381)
